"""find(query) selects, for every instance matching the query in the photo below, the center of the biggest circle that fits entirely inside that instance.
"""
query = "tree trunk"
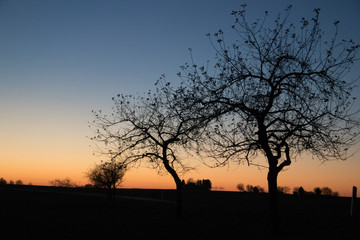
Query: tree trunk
(108, 193)
(273, 200)
(178, 183)
(114, 191)
(179, 200)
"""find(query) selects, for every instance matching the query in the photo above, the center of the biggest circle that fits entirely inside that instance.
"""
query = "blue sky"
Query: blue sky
(61, 59)
(90, 50)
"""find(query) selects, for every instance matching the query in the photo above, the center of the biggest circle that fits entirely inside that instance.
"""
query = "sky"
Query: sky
(61, 59)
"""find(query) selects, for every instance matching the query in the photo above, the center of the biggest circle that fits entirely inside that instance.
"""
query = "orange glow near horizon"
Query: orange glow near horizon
(41, 155)
(308, 173)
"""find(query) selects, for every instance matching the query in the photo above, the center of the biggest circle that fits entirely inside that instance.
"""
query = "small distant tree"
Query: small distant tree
(11, 182)
(3, 181)
(19, 182)
(317, 191)
(249, 188)
(190, 183)
(261, 189)
(284, 189)
(301, 191)
(107, 175)
(66, 182)
(206, 185)
(326, 191)
(240, 187)
(256, 190)
(199, 185)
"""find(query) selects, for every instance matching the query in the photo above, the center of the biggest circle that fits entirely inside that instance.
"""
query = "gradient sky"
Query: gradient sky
(60, 59)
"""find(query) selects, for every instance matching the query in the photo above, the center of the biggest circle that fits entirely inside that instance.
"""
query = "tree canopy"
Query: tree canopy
(157, 129)
(282, 90)
(107, 174)
(279, 90)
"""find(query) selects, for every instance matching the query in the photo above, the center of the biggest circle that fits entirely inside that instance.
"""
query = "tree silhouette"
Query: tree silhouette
(284, 189)
(107, 175)
(326, 191)
(249, 188)
(3, 181)
(19, 182)
(158, 129)
(317, 191)
(254, 189)
(66, 182)
(199, 185)
(301, 191)
(240, 187)
(279, 91)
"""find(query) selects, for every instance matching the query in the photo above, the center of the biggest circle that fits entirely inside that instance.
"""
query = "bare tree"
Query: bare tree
(157, 129)
(66, 182)
(326, 191)
(107, 175)
(317, 191)
(249, 188)
(19, 182)
(280, 91)
(284, 189)
(3, 181)
(240, 187)
(199, 185)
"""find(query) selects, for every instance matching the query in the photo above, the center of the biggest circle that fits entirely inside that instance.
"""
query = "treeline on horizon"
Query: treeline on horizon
(300, 191)
(11, 182)
(198, 185)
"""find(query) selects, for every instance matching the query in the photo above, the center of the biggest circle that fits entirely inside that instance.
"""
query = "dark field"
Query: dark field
(55, 213)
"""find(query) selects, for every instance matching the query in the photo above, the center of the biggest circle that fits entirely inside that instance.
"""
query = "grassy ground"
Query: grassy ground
(38, 213)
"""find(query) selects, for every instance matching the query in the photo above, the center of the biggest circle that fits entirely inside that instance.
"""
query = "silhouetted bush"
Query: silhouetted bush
(301, 191)
(66, 182)
(283, 190)
(326, 191)
(254, 189)
(3, 181)
(199, 185)
(19, 182)
(317, 191)
(240, 187)
(249, 188)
